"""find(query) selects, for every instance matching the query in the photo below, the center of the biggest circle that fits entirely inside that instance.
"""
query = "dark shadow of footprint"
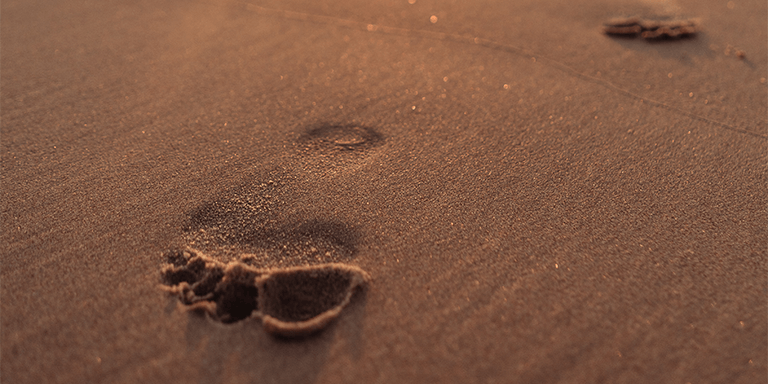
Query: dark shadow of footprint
(291, 302)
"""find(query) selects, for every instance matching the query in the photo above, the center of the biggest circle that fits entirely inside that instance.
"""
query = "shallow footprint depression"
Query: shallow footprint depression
(340, 138)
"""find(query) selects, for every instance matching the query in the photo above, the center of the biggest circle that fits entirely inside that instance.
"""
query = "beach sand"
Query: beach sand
(534, 200)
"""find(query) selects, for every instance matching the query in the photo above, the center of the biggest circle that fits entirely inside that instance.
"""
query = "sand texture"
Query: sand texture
(383, 191)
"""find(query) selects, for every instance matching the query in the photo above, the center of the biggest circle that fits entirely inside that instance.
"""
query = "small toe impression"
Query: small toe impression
(192, 277)
(227, 293)
(236, 294)
(299, 301)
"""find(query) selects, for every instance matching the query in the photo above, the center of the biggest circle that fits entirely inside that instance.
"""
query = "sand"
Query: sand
(533, 200)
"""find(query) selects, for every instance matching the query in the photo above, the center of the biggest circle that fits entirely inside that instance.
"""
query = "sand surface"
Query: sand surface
(535, 201)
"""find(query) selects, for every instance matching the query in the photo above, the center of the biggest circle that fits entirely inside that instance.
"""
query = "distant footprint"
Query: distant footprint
(653, 20)
(290, 302)
(328, 146)
(344, 138)
(652, 28)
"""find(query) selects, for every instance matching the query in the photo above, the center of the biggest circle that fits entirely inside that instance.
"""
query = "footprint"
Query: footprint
(291, 302)
(340, 137)
(329, 145)
(652, 28)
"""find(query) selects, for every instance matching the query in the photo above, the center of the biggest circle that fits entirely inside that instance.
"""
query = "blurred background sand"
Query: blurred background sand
(558, 206)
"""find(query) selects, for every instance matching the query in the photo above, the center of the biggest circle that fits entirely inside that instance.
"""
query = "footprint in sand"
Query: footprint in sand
(295, 301)
(335, 138)
(653, 20)
(652, 28)
(329, 146)
(287, 270)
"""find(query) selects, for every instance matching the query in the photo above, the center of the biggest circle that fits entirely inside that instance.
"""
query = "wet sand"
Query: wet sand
(534, 200)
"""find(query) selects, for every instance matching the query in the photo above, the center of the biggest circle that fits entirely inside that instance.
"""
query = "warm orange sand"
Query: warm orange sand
(535, 201)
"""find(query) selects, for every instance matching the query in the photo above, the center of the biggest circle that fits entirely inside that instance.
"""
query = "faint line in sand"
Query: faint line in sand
(487, 43)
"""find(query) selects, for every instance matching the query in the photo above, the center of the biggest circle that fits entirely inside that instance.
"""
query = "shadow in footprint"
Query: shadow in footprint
(302, 300)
